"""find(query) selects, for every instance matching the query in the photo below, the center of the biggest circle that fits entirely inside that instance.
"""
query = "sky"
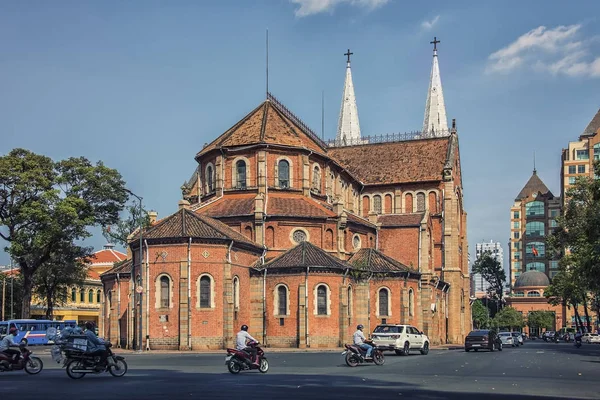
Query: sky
(143, 85)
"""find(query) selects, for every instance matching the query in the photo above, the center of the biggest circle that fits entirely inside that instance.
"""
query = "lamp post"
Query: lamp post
(140, 280)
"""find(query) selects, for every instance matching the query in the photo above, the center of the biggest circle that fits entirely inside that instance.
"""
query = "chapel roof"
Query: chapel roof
(106, 256)
(400, 220)
(405, 161)
(121, 267)
(296, 206)
(305, 255)
(533, 185)
(233, 205)
(532, 278)
(269, 123)
(375, 261)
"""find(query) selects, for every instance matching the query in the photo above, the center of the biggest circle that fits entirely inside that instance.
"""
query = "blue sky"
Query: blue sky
(142, 85)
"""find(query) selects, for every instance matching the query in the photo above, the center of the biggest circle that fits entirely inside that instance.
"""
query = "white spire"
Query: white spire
(348, 126)
(435, 121)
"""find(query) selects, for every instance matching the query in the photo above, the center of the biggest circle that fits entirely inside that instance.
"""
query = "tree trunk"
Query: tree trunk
(588, 325)
(27, 287)
(49, 305)
(578, 323)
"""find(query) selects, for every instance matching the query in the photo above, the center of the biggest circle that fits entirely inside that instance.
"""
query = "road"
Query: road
(533, 371)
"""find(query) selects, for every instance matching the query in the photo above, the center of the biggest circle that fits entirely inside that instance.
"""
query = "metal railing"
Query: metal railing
(387, 138)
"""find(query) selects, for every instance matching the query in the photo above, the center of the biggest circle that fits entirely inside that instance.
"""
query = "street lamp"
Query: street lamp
(133, 275)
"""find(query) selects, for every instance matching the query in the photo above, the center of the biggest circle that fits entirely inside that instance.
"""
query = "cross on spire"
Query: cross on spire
(434, 43)
(348, 54)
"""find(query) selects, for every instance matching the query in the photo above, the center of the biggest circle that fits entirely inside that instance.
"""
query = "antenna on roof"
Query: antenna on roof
(534, 170)
(267, 62)
(323, 115)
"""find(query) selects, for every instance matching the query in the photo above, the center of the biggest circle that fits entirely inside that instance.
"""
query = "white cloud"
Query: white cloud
(556, 51)
(310, 7)
(427, 25)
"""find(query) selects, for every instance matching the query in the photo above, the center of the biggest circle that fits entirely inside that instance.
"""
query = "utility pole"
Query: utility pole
(12, 286)
(3, 297)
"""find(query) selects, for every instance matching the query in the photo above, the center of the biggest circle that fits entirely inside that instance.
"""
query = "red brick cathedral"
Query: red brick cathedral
(302, 239)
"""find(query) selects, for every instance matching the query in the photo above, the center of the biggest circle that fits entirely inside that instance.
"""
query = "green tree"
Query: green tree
(481, 315)
(11, 286)
(65, 268)
(44, 204)
(492, 271)
(120, 231)
(541, 319)
(508, 317)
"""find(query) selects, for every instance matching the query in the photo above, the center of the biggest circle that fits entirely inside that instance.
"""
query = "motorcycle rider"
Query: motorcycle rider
(96, 347)
(359, 340)
(9, 341)
(242, 338)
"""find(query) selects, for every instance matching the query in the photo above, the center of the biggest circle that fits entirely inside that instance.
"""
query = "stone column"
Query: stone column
(261, 176)
(228, 328)
(397, 201)
(219, 174)
(361, 305)
(184, 328)
(256, 307)
(305, 175)
(302, 342)
(343, 302)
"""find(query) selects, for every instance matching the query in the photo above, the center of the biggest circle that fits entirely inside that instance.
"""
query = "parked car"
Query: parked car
(507, 339)
(400, 338)
(483, 339)
(518, 338)
(590, 338)
(548, 336)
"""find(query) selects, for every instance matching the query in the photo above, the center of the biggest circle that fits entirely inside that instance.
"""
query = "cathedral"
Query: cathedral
(302, 239)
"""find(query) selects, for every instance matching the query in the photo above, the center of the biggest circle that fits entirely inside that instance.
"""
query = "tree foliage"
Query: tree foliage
(45, 205)
(481, 315)
(120, 231)
(492, 271)
(508, 317)
(540, 319)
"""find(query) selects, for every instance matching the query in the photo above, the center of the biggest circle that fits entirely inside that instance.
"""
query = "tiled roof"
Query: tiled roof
(91, 274)
(267, 123)
(533, 185)
(305, 255)
(296, 206)
(185, 223)
(360, 220)
(229, 206)
(593, 126)
(375, 261)
(400, 220)
(122, 267)
(107, 255)
(395, 162)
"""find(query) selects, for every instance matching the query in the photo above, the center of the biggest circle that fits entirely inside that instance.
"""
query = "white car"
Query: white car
(401, 338)
(507, 339)
(590, 338)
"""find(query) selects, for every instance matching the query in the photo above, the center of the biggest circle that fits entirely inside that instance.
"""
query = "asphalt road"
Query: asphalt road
(536, 370)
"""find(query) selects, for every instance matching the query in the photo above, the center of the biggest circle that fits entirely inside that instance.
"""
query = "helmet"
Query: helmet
(244, 327)
(13, 331)
(89, 325)
(359, 326)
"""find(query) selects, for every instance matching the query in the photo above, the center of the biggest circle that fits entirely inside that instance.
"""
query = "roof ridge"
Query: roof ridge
(264, 120)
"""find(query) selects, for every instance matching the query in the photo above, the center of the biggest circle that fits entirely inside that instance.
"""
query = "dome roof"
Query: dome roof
(532, 278)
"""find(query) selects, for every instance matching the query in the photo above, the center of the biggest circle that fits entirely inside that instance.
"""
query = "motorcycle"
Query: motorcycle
(240, 360)
(355, 355)
(32, 365)
(578, 342)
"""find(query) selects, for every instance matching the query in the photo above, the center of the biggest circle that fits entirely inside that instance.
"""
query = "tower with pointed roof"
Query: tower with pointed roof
(435, 122)
(532, 219)
(348, 131)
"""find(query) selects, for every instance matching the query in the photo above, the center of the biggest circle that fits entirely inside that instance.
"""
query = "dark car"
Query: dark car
(483, 339)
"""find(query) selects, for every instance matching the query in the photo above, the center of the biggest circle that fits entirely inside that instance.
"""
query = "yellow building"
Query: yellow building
(85, 302)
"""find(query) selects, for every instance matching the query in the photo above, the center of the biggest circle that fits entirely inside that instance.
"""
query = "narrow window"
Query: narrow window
(383, 302)
(377, 204)
(91, 296)
(164, 291)
(81, 296)
(98, 296)
(209, 179)
(316, 179)
(205, 292)
(282, 300)
(411, 303)
(236, 292)
(73, 295)
(420, 202)
(284, 174)
(322, 300)
(240, 167)
(350, 301)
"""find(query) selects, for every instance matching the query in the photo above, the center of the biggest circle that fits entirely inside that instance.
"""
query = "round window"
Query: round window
(356, 242)
(299, 236)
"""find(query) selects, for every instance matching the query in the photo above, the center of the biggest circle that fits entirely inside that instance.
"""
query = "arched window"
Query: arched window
(236, 293)
(322, 300)
(349, 301)
(366, 205)
(534, 208)
(270, 237)
(165, 295)
(535, 249)
(98, 296)
(240, 169)
(534, 293)
(432, 202)
(248, 232)
(408, 203)
(411, 303)
(282, 300)
(316, 182)
(284, 174)
(420, 202)
(537, 266)
(383, 302)
(205, 292)
(82, 296)
(329, 239)
(73, 295)
(535, 228)
(377, 204)
(91, 296)
(356, 242)
(209, 179)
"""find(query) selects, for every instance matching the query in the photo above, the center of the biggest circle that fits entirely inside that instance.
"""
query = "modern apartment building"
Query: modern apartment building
(480, 285)
(578, 158)
(532, 219)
